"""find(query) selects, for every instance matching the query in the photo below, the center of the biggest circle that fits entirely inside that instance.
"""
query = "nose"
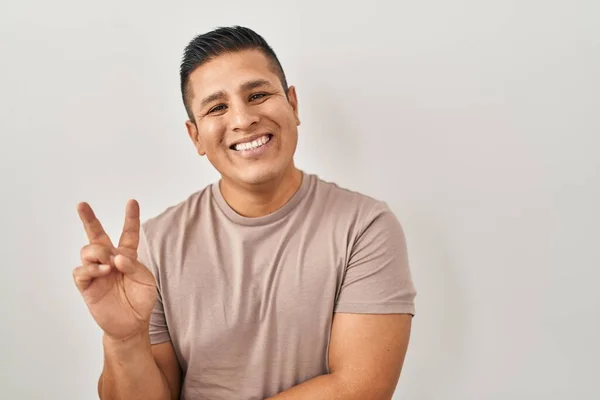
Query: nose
(243, 118)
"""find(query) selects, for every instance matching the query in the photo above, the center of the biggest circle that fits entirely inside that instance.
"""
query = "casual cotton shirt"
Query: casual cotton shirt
(248, 303)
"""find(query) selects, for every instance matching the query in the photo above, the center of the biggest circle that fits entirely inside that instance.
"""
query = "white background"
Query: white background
(477, 121)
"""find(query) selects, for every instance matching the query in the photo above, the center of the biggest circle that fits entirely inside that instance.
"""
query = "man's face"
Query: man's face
(245, 124)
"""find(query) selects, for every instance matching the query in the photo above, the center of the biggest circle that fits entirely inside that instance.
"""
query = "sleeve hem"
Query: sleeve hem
(387, 308)
(157, 338)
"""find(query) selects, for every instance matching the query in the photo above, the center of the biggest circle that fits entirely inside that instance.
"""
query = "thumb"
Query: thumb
(133, 269)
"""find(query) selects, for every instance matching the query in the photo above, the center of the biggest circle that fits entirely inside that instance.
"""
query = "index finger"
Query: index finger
(93, 228)
(130, 237)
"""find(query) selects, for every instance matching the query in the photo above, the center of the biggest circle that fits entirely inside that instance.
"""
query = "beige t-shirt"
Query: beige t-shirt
(248, 303)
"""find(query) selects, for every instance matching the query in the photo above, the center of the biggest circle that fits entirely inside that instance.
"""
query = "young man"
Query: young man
(270, 283)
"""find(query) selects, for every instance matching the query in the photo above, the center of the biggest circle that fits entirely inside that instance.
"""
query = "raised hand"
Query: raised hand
(119, 291)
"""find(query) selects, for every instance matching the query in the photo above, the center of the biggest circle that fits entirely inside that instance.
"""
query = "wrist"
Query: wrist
(134, 342)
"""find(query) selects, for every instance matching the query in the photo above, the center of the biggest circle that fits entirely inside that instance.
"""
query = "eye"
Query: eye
(215, 109)
(258, 96)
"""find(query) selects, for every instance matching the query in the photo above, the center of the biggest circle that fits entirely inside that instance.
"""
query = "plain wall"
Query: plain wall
(477, 121)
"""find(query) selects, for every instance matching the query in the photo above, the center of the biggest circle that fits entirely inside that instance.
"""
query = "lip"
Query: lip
(249, 139)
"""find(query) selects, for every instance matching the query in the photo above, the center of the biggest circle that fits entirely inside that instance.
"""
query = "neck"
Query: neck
(261, 200)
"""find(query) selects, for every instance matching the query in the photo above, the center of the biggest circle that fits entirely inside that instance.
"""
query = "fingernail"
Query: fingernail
(104, 267)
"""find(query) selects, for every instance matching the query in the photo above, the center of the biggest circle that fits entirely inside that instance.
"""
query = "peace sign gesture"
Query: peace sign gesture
(119, 291)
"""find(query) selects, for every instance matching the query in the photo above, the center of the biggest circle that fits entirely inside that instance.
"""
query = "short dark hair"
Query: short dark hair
(207, 46)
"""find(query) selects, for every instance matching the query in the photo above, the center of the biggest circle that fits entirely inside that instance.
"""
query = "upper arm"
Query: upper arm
(166, 360)
(367, 351)
(378, 278)
(374, 309)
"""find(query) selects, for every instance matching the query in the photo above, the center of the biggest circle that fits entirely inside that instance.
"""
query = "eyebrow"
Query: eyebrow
(255, 84)
(246, 86)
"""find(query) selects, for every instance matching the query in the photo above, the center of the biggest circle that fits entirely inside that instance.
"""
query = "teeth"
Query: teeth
(252, 145)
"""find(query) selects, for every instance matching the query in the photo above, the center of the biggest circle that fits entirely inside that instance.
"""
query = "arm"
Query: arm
(366, 355)
(373, 318)
(136, 370)
(121, 294)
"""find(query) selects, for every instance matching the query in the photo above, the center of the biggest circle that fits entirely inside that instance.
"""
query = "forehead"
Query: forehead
(229, 71)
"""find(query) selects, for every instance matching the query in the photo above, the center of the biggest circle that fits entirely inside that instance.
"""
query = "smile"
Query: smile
(253, 145)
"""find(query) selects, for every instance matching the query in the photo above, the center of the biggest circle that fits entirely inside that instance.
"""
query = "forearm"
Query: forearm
(130, 372)
(331, 387)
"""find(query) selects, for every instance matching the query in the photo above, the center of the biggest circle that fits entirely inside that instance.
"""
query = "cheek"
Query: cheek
(279, 111)
(212, 132)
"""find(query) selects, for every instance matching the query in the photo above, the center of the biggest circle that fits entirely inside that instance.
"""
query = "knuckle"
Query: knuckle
(83, 251)
(94, 251)
(80, 271)
(88, 250)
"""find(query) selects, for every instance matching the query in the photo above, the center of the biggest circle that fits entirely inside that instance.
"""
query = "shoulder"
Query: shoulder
(343, 202)
(175, 217)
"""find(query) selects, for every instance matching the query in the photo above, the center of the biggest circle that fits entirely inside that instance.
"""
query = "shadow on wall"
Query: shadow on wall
(438, 360)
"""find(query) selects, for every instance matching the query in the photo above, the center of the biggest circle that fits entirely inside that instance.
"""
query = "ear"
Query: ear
(193, 134)
(293, 100)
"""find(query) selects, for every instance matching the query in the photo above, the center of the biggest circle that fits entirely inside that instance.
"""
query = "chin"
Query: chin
(258, 176)
(263, 172)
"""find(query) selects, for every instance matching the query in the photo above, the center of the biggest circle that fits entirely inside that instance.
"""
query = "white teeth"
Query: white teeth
(252, 145)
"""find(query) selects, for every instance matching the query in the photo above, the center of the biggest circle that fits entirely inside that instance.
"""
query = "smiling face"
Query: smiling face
(244, 122)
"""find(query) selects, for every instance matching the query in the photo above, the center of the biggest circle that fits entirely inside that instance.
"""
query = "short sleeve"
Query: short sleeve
(378, 279)
(159, 331)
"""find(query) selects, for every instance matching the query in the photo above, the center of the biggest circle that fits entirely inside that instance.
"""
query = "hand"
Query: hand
(119, 291)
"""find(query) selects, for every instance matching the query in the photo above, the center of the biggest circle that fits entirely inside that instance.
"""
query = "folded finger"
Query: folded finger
(96, 254)
(84, 275)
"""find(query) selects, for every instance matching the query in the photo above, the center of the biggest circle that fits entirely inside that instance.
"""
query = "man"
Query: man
(270, 283)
